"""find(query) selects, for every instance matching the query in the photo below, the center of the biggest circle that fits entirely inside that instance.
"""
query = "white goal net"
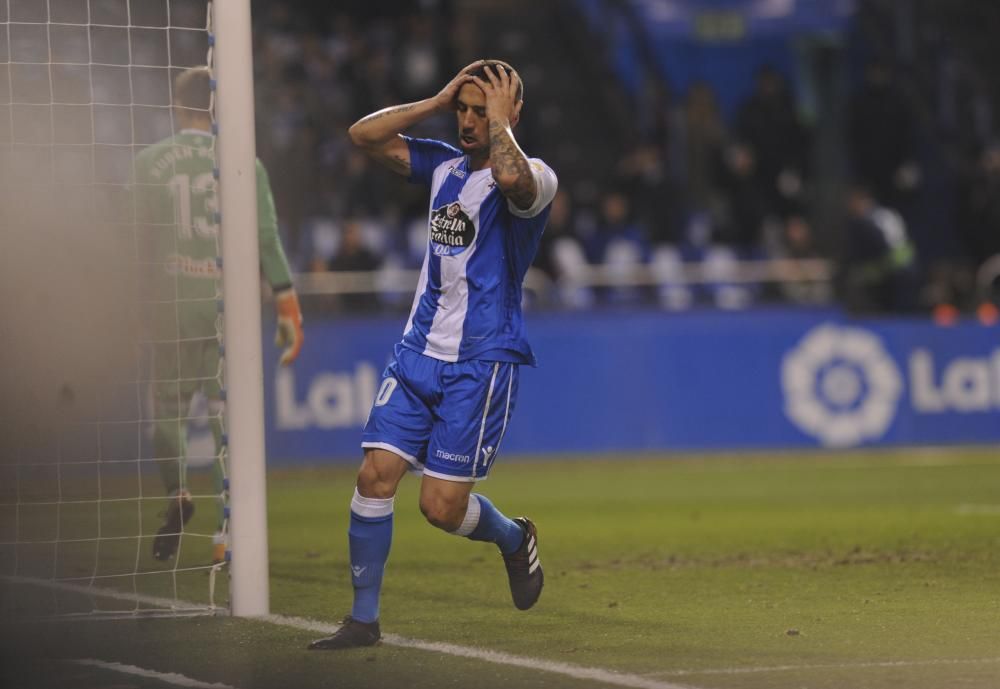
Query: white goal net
(112, 422)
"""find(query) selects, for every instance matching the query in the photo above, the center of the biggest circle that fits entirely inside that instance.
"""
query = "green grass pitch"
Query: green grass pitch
(823, 570)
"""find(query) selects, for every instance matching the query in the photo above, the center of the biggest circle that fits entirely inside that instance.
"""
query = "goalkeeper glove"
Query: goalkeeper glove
(289, 333)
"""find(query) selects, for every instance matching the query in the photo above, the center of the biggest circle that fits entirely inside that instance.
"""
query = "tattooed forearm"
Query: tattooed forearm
(397, 110)
(382, 126)
(510, 166)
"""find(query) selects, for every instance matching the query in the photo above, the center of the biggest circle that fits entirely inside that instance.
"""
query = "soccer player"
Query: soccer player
(176, 205)
(446, 397)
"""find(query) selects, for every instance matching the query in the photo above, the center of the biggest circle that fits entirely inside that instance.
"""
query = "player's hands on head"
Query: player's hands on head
(289, 334)
(500, 88)
(445, 99)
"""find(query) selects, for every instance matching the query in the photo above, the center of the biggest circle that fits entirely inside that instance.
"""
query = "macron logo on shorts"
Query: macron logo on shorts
(458, 459)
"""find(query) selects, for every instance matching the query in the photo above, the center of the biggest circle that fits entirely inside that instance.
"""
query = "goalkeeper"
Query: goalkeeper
(177, 210)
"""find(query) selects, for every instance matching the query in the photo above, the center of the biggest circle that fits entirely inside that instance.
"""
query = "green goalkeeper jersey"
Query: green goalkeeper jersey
(177, 210)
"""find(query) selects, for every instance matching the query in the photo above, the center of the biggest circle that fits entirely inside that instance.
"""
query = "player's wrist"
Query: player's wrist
(287, 303)
(441, 103)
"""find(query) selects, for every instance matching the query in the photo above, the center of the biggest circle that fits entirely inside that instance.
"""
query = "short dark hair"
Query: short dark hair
(192, 89)
(480, 71)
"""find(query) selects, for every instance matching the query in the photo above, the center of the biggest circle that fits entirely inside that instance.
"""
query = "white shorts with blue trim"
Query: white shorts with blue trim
(447, 419)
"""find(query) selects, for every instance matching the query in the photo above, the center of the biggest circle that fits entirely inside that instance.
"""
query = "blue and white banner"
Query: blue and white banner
(653, 381)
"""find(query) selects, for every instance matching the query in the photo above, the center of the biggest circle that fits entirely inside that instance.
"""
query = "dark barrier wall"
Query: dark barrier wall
(653, 381)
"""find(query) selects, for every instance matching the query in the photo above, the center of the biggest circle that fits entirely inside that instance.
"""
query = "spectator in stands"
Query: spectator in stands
(620, 244)
(702, 138)
(794, 239)
(288, 144)
(768, 125)
(644, 177)
(877, 269)
(982, 212)
(882, 137)
(561, 255)
(740, 225)
(616, 226)
(359, 191)
(353, 256)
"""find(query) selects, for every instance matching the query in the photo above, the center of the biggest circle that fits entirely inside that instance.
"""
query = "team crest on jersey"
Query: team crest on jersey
(452, 231)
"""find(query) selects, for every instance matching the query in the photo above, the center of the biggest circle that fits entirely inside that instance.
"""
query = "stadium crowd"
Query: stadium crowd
(691, 186)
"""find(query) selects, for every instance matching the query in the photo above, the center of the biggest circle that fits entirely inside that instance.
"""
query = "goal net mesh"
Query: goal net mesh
(85, 487)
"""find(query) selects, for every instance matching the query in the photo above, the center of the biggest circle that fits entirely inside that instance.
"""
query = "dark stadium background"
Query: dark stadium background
(710, 156)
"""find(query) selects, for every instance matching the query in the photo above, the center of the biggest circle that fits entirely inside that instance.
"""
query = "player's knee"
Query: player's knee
(373, 483)
(445, 514)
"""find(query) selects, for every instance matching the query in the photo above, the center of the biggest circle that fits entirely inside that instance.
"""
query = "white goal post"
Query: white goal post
(234, 107)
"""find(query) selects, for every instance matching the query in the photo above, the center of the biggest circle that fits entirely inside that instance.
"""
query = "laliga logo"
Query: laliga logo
(840, 386)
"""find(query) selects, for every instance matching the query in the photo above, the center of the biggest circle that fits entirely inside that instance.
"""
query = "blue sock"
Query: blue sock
(484, 522)
(370, 536)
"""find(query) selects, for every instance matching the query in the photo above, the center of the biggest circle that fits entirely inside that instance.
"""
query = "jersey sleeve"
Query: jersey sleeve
(426, 155)
(273, 262)
(546, 184)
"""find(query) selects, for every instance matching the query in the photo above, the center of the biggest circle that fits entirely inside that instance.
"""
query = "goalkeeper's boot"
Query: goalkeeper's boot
(352, 634)
(524, 571)
(179, 512)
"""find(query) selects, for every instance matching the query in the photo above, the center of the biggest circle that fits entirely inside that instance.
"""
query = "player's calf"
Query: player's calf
(518, 543)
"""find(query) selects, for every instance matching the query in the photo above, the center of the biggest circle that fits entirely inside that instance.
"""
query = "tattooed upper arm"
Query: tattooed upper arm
(395, 155)
(510, 167)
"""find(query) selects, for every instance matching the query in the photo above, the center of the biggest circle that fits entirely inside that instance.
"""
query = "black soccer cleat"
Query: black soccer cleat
(168, 537)
(352, 634)
(524, 571)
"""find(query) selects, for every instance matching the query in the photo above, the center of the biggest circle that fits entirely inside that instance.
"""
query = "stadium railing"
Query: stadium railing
(391, 280)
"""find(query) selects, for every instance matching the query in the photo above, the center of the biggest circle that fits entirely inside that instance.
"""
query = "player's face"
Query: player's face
(473, 126)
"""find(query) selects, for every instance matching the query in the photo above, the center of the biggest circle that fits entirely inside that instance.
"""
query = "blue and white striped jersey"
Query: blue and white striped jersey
(468, 300)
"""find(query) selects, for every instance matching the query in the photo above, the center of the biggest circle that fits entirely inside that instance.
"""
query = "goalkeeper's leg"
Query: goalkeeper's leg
(169, 440)
(172, 394)
(170, 437)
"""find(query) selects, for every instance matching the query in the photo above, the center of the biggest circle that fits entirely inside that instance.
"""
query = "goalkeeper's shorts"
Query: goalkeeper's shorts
(447, 419)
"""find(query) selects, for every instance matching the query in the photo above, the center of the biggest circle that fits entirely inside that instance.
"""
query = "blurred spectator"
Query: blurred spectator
(419, 58)
(288, 146)
(620, 244)
(559, 227)
(703, 139)
(360, 190)
(643, 177)
(561, 256)
(882, 137)
(741, 223)
(877, 268)
(768, 125)
(353, 255)
(982, 229)
(616, 226)
(794, 239)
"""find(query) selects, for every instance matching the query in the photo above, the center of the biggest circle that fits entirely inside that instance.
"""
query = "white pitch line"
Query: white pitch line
(168, 677)
(566, 669)
(967, 510)
(156, 601)
(825, 666)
